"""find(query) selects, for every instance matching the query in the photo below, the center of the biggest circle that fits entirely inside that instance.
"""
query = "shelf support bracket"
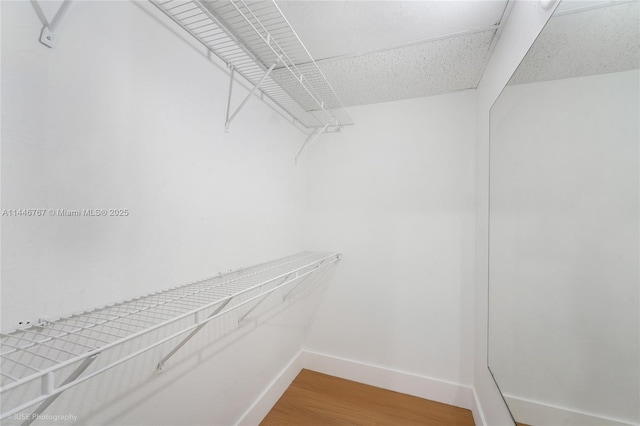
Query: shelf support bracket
(242, 318)
(246, 314)
(286, 296)
(256, 87)
(48, 34)
(193, 333)
(226, 121)
(312, 137)
(48, 386)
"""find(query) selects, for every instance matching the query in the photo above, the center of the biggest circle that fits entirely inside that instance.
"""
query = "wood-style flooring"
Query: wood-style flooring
(318, 399)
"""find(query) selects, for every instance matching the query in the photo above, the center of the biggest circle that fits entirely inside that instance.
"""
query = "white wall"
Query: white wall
(395, 195)
(126, 112)
(524, 23)
(91, 129)
(564, 245)
(131, 117)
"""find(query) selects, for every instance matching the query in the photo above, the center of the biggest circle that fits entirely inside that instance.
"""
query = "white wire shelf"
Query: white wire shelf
(42, 353)
(255, 40)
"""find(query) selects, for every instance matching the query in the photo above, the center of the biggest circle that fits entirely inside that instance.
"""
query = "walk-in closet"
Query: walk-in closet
(234, 212)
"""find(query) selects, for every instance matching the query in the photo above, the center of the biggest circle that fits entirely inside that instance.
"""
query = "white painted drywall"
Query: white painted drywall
(130, 119)
(525, 21)
(127, 113)
(564, 260)
(396, 196)
(139, 141)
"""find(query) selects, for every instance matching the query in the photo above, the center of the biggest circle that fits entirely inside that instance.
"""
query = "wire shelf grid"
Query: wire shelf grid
(253, 36)
(37, 352)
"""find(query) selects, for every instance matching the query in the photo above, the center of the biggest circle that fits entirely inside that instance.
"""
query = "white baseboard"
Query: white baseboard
(476, 410)
(274, 391)
(395, 380)
(539, 413)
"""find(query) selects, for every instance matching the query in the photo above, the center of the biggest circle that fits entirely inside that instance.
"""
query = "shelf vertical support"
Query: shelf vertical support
(48, 387)
(242, 318)
(193, 333)
(48, 383)
(226, 121)
(48, 35)
(246, 314)
(286, 296)
(312, 137)
(256, 87)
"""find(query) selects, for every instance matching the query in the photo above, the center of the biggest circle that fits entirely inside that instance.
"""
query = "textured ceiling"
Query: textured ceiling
(335, 28)
(379, 51)
(422, 69)
(584, 38)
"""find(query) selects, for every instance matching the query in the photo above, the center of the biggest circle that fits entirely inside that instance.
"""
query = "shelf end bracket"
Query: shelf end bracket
(48, 34)
(48, 386)
(195, 331)
(246, 314)
(312, 137)
(256, 87)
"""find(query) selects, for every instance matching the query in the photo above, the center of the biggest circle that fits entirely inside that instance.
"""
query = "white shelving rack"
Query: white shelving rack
(39, 362)
(256, 41)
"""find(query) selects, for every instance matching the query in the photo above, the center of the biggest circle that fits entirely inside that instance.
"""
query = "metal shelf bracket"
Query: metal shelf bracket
(244, 101)
(200, 326)
(312, 137)
(48, 34)
(246, 314)
(48, 388)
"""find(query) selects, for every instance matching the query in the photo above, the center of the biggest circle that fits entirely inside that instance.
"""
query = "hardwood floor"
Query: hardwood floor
(318, 399)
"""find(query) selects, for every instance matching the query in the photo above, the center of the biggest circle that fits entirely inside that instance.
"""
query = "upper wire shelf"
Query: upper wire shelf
(42, 354)
(256, 41)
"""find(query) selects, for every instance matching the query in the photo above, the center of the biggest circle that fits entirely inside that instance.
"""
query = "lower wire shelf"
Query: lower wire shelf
(69, 345)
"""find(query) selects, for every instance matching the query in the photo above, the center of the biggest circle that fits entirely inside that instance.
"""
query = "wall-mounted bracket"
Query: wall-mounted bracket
(246, 314)
(256, 87)
(226, 126)
(49, 387)
(48, 34)
(47, 37)
(193, 333)
(312, 137)
(286, 296)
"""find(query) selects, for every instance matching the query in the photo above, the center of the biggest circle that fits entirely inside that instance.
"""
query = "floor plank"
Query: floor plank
(318, 399)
